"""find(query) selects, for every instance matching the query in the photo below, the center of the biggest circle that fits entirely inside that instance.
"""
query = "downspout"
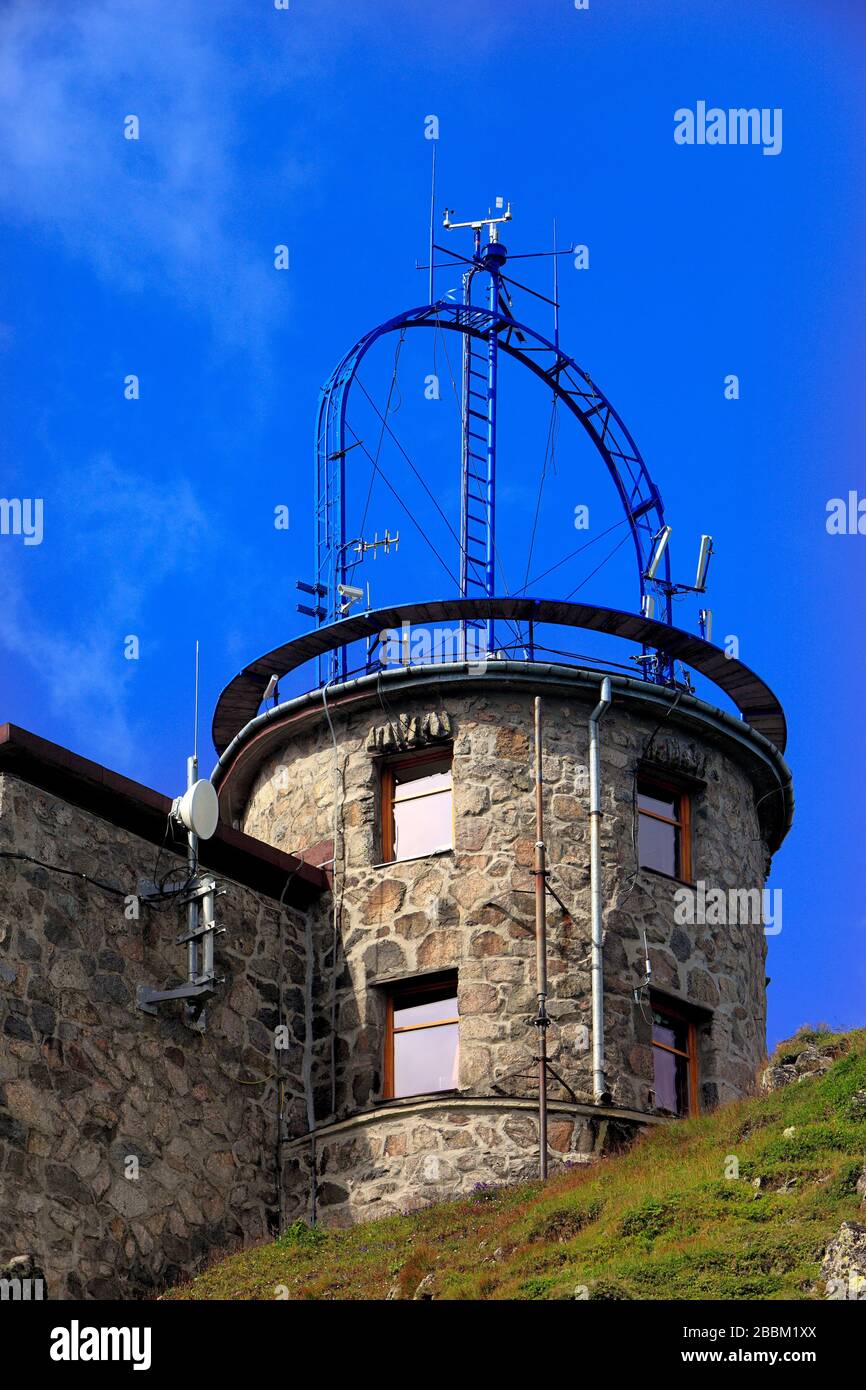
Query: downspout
(599, 1090)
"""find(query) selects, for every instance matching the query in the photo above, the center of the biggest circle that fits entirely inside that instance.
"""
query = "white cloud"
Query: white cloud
(118, 543)
(161, 209)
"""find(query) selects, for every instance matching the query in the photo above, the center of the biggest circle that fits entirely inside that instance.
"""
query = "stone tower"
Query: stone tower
(420, 1048)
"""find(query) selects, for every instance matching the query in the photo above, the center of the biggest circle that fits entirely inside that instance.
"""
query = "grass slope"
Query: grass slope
(660, 1221)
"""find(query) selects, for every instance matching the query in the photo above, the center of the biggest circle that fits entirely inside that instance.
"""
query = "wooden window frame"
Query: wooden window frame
(412, 987)
(386, 798)
(682, 822)
(659, 1004)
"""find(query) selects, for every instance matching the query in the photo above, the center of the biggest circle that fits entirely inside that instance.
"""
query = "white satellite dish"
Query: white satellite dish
(198, 809)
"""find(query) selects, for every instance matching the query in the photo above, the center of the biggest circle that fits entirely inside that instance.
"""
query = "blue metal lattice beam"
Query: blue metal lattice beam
(495, 331)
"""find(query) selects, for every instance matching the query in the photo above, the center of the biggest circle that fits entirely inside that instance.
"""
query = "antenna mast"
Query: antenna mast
(480, 380)
(198, 813)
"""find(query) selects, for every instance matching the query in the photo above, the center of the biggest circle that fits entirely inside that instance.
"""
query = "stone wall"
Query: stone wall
(403, 1156)
(94, 1092)
(472, 908)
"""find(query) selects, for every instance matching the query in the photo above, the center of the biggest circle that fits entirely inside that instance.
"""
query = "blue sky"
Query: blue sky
(305, 127)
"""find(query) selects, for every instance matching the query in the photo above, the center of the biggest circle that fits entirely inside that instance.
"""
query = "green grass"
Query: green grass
(660, 1221)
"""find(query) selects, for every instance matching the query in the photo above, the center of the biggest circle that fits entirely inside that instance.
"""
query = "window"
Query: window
(675, 1059)
(421, 1038)
(664, 842)
(417, 806)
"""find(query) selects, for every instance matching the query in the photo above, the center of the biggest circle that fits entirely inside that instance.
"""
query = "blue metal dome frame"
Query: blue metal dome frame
(496, 330)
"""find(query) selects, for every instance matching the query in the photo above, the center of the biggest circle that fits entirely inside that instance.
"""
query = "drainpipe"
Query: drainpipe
(599, 1090)
(542, 1020)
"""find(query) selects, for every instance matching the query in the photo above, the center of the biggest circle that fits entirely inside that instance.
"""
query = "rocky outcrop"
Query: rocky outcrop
(844, 1265)
(23, 1279)
(799, 1061)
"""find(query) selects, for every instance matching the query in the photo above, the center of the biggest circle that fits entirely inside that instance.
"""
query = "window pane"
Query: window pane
(428, 1012)
(658, 845)
(671, 1031)
(425, 1060)
(671, 1082)
(663, 806)
(422, 826)
(423, 778)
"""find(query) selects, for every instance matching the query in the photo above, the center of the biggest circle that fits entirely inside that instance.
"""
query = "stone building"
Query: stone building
(423, 777)
(132, 1148)
(373, 1045)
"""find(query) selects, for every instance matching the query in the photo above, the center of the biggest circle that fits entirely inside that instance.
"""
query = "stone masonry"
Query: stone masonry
(471, 909)
(131, 1148)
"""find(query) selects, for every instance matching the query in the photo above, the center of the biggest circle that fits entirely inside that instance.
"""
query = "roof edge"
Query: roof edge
(143, 812)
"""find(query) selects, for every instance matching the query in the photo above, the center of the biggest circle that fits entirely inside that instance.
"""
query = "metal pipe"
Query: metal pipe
(597, 972)
(432, 216)
(541, 1021)
(192, 869)
(208, 910)
(490, 483)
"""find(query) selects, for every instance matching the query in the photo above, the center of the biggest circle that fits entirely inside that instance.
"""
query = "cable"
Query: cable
(547, 452)
(409, 514)
(337, 913)
(382, 431)
(418, 475)
(394, 727)
(430, 494)
(149, 899)
(68, 873)
(634, 824)
(599, 566)
(438, 331)
(586, 545)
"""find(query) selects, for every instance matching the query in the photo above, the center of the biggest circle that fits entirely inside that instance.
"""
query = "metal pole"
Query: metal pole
(192, 868)
(490, 491)
(432, 215)
(555, 291)
(192, 843)
(541, 1020)
(597, 971)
